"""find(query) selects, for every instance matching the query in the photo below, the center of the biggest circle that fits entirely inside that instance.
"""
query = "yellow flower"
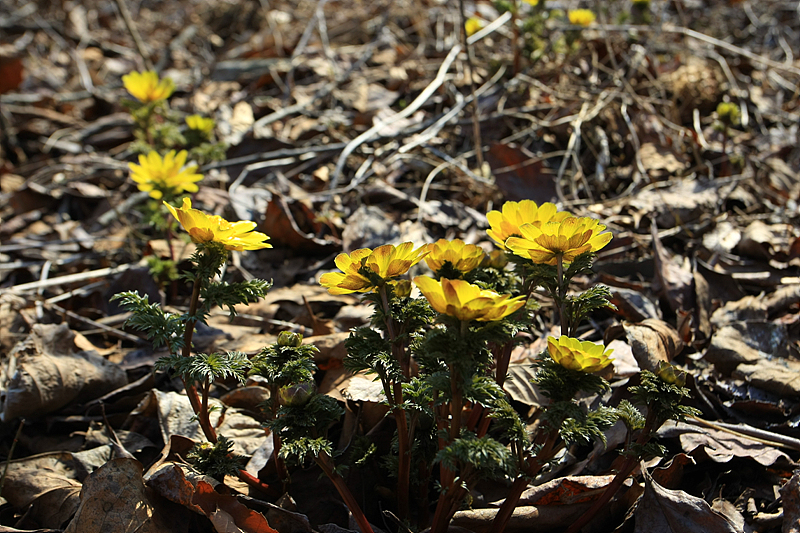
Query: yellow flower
(146, 87)
(165, 176)
(575, 354)
(359, 269)
(213, 228)
(506, 224)
(199, 123)
(466, 301)
(472, 25)
(533, 3)
(462, 257)
(581, 17)
(568, 239)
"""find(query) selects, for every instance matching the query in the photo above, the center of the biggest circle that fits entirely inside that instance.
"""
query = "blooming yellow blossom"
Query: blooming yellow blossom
(167, 176)
(473, 25)
(533, 3)
(462, 257)
(199, 123)
(212, 228)
(146, 87)
(466, 301)
(575, 354)
(581, 17)
(506, 223)
(567, 239)
(360, 267)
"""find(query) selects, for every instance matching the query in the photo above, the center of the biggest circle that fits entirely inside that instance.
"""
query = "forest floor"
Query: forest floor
(352, 124)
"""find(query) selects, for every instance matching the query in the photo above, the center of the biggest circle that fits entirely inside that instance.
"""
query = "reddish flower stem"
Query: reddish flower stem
(403, 444)
(624, 471)
(326, 464)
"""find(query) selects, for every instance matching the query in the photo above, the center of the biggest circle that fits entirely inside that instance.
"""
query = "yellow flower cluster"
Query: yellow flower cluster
(204, 228)
(581, 17)
(575, 354)
(506, 223)
(168, 176)
(543, 234)
(146, 87)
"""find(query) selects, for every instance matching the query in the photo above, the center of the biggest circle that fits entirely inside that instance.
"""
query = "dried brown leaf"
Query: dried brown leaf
(652, 341)
(673, 511)
(114, 498)
(46, 372)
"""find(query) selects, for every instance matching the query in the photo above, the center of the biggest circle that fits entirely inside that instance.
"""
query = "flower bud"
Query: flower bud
(496, 259)
(297, 394)
(289, 338)
(669, 374)
(402, 288)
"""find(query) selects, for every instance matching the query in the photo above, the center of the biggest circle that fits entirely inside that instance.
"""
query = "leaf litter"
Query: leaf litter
(326, 156)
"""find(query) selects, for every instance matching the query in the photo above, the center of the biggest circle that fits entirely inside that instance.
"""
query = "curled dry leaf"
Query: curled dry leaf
(47, 371)
(721, 446)
(673, 511)
(651, 340)
(746, 342)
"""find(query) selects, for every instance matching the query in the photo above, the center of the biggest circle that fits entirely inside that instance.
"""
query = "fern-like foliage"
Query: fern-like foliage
(663, 398)
(228, 295)
(583, 428)
(162, 328)
(368, 351)
(630, 416)
(510, 425)
(217, 460)
(283, 364)
(561, 384)
(477, 458)
(303, 448)
(310, 420)
(207, 367)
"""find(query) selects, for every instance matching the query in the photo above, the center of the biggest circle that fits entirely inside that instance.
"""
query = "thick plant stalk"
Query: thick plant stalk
(403, 443)
(191, 389)
(531, 467)
(325, 463)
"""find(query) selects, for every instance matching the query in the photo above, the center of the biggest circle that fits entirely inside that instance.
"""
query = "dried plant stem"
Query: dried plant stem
(11, 453)
(326, 464)
(137, 38)
(476, 121)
